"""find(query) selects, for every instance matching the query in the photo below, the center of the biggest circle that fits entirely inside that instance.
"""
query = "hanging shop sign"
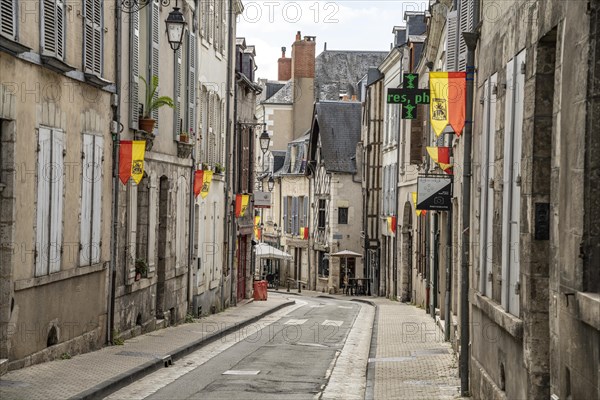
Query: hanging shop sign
(434, 192)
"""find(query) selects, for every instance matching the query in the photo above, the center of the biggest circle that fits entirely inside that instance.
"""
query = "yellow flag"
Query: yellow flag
(207, 179)
(414, 197)
(256, 226)
(138, 149)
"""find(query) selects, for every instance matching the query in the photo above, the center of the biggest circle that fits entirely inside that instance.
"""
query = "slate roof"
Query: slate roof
(337, 123)
(283, 95)
(339, 71)
(278, 159)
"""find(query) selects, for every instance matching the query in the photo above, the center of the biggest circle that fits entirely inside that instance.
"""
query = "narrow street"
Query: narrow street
(291, 353)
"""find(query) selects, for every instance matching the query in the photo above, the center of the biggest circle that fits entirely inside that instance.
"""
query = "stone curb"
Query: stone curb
(112, 385)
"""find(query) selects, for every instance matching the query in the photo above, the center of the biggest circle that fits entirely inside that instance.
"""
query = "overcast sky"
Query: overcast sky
(343, 25)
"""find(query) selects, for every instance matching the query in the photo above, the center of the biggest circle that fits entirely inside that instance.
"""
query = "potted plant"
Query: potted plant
(219, 169)
(146, 122)
(141, 268)
(184, 137)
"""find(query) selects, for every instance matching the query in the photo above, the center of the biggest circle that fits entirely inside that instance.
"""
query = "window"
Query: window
(53, 28)
(142, 232)
(343, 215)
(290, 218)
(323, 264)
(93, 36)
(91, 195)
(49, 218)
(8, 18)
(322, 205)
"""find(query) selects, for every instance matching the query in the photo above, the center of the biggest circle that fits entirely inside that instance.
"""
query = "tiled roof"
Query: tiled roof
(283, 95)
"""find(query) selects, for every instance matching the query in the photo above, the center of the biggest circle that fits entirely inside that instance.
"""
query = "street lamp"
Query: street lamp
(271, 183)
(175, 26)
(264, 140)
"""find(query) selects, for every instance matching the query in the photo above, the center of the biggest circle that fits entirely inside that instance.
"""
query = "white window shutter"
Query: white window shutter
(43, 204)
(211, 20)
(452, 40)
(87, 187)
(97, 200)
(155, 60)
(191, 82)
(177, 95)
(56, 201)
(466, 13)
(8, 18)
(134, 69)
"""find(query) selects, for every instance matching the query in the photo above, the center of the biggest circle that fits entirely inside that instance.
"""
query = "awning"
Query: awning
(345, 253)
(263, 250)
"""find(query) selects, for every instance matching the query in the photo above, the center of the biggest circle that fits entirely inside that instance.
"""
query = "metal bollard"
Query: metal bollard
(299, 287)
(288, 285)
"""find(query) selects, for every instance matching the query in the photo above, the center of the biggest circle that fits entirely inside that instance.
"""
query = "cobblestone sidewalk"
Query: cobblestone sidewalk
(96, 374)
(410, 359)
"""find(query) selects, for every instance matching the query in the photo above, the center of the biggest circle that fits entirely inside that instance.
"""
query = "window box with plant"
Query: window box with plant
(141, 269)
(185, 144)
(219, 169)
(152, 102)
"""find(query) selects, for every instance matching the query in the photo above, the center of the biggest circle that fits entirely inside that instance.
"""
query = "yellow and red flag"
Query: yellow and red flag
(131, 160)
(198, 182)
(441, 155)
(419, 212)
(447, 101)
(391, 223)
(241, 204)
(304, 232)
(206, 180)
(257, 233)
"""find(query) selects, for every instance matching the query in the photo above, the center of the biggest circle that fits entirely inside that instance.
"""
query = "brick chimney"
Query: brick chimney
(303, 57)
(284, 67)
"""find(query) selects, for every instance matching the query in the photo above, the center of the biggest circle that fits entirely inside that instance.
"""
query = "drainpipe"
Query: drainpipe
(447, 313)
(436, 261)
(229, 246)
(115, 189)
(191, 235)
(471, 39)
(236, 188)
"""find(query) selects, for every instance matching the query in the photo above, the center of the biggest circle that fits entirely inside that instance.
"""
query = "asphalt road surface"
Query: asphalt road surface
(290, 354)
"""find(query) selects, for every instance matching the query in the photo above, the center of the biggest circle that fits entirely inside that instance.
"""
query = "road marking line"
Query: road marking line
(295, 322)
(240, 372)
(346, 307)
(329, 322)
(157, 380)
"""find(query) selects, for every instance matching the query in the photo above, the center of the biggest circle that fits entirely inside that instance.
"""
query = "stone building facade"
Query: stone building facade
(55, 178)
(535, 331)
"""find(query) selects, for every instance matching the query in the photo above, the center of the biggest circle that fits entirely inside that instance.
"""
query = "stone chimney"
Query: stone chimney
(303, 57)
(284, 64)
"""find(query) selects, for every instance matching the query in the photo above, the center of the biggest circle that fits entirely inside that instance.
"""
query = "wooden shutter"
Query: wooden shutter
(417, 142)
(451, 40)
(217, 26)
(97, 200)
(211, 20)
(294, 215)
(8, 18)
(134, 69)
(305, 212)
(154, 53)
(191, 83)
(53, 28)
(87, 188)
(92, 42)
(177, 128)
(43, 204)
(466, 13)
(285, 214)
(56, 201)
